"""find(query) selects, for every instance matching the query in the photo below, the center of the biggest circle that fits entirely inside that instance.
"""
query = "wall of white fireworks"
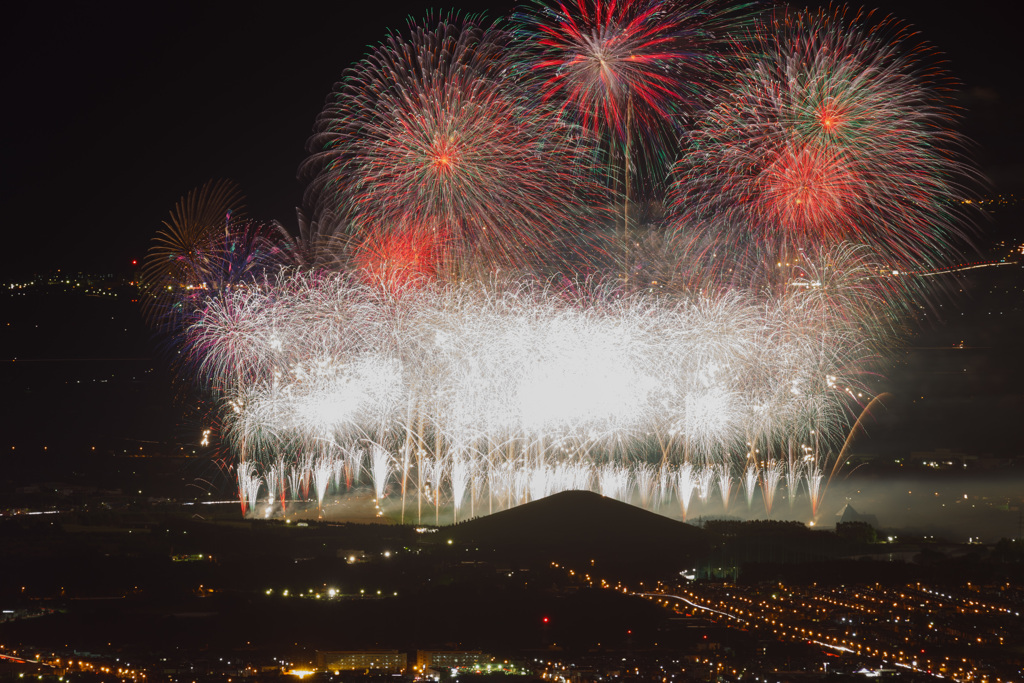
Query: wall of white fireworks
(476, 397)
(815, 167)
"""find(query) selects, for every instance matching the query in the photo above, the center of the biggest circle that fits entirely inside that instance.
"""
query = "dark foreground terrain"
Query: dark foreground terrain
(575, 580)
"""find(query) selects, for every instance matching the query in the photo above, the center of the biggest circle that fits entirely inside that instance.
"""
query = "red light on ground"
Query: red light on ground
(545, 620)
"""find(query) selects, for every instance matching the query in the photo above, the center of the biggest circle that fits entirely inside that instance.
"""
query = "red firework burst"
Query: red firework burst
(608, 61)
(833, 131)
(434, 129)
(400, 260)
(810, 191)
(629, 72)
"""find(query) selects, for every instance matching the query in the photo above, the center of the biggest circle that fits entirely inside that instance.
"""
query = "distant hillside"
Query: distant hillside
(581, 525)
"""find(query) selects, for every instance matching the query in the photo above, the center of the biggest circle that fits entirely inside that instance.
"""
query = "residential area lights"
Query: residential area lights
(944, 633)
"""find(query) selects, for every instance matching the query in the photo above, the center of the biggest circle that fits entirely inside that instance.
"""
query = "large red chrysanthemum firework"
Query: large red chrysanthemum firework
(630, 68)
(434, 129)
(834, 131)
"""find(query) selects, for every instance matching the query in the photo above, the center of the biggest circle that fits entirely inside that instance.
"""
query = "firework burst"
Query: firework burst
(431, 140)
(431, 338)
(834, 131)
(628, 69)
(450, 382)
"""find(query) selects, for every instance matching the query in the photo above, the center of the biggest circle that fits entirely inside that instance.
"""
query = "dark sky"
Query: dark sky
(114, 110)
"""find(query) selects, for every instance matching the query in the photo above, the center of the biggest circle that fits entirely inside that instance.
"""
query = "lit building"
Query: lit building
(361, 660)
(449, 659)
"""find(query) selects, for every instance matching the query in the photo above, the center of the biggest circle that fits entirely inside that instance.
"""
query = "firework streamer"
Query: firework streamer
(686, 484)
(440, 157)
(323, 470)
(646, 477)
(249, 483)
(436, 474)
(381, 466)
(793, 473)
(835, 128)
(724, 476)
(553, 382)
(814, 476)
(354, 457)
(626, 72)
(666, 483)
(338, 472)
(771, 475)
(750, 478)
(705, 481)
(461, 477)
(294, 480)
(275, 483)
(305, 467)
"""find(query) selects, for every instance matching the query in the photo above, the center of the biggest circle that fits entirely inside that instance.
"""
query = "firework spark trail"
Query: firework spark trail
(477, 484)
(338, 472)
(501, 483)
(455, 160)
(381, 466)
(538, 482)
(305, 468)
(535, 375)
(686, 484)
(835, 129)
(771, 476)
(750, 482)
(461, 476)
(614, 480)
(249, 482)
(275, 478)
(645, 476)
(793, 472)
(294, 480)
(323, 469)
(626, 71)
(814, 476)
(572, 476)
(435, 153)
(725, 479)
(705, 477)
(666, 482)
(353, 464)
(435, 467)
(423, 473)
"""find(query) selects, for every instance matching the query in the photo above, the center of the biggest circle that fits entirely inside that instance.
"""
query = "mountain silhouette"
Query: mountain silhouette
(582, 525)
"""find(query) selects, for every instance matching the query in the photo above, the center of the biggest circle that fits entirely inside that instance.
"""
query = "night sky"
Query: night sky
(115, 110)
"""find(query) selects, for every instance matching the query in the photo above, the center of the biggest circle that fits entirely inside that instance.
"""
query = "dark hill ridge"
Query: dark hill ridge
(575, 525)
